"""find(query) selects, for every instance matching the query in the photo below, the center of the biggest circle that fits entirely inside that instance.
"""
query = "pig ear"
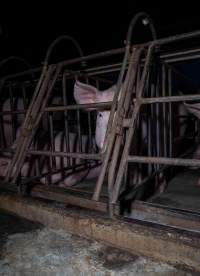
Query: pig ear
(193, 108)
(85, 93)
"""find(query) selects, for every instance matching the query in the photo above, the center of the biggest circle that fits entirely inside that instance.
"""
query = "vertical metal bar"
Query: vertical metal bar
(2, 118)
(52, 140)
(148, 122)
(170, 114)
(153, 124)
(89, 121)
(122, 109)
(79, 130)
(157, 122)
(164, 109)
(23, 142)
(33, 117)
(116, 188)
(12, 116)
(89, 131)
(24, 97)
(139, 122)
(66, 126)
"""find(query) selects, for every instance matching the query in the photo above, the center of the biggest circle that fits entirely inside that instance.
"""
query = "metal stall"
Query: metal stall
(146, 134)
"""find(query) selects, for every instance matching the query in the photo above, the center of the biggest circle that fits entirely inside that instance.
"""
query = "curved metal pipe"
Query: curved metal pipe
(11, 58)
(146, 21)
(59, 39)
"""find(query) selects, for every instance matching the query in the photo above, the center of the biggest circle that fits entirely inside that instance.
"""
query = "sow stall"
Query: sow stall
(148, 134)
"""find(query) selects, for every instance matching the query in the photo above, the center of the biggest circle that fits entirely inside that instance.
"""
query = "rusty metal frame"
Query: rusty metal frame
(111, 150)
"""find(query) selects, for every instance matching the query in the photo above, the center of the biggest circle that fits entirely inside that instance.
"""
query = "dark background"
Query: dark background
(27, 29)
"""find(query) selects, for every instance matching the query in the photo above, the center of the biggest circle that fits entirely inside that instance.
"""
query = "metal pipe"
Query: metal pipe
(66, 127)
(131, 130)
(103, 105)
(146, 21)
(165, 161)
(117, 52)
(169, 99)
(164, 110)
(92, 156)
(58, 40)
(15, 58)
(170, 114)
(12, 115)
(79, 131)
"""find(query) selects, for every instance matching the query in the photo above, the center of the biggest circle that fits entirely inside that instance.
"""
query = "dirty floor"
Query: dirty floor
(183, 191)
(28, 248)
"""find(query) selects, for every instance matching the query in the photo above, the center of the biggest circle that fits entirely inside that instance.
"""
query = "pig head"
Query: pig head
(86, 94)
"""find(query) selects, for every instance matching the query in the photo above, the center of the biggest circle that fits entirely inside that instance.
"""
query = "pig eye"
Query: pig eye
(100, 115)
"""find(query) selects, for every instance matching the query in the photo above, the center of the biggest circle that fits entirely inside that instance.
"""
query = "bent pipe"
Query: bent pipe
(16, 58)
(58, 40)
(148, 21)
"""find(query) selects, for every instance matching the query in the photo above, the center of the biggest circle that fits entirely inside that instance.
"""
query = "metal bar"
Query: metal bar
(120, 51)
(69, 62)
(123, 107)
(12, 112)
(173, 60)
(24, 97)
(52, 141)
(66, 126)
(89, 131)
(29, 122)
(169, 99)
(164, 110)
(108, 143)
(79, 131)
(157, 113)
(165, 161)
(170, 114)
(28, 117)
(94, 156)
(11, 109)
(102, 105)
(116, 188)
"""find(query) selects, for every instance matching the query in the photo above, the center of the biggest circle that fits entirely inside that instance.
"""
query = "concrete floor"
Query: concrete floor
(183, 191)
(27, 248)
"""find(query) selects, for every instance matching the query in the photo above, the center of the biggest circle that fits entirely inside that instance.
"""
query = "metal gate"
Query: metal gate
(144, 128)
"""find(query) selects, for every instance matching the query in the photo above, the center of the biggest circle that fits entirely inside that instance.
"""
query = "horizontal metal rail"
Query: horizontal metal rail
(161, 41)
(105, 105)
(169, 99)
(79, 107)
(164, 161)
(13, 112)
(91, 156)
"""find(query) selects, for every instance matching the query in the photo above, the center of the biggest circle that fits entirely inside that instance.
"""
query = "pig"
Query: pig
(61, 179)
(7, 119)
(85, 94)
(71, 178)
